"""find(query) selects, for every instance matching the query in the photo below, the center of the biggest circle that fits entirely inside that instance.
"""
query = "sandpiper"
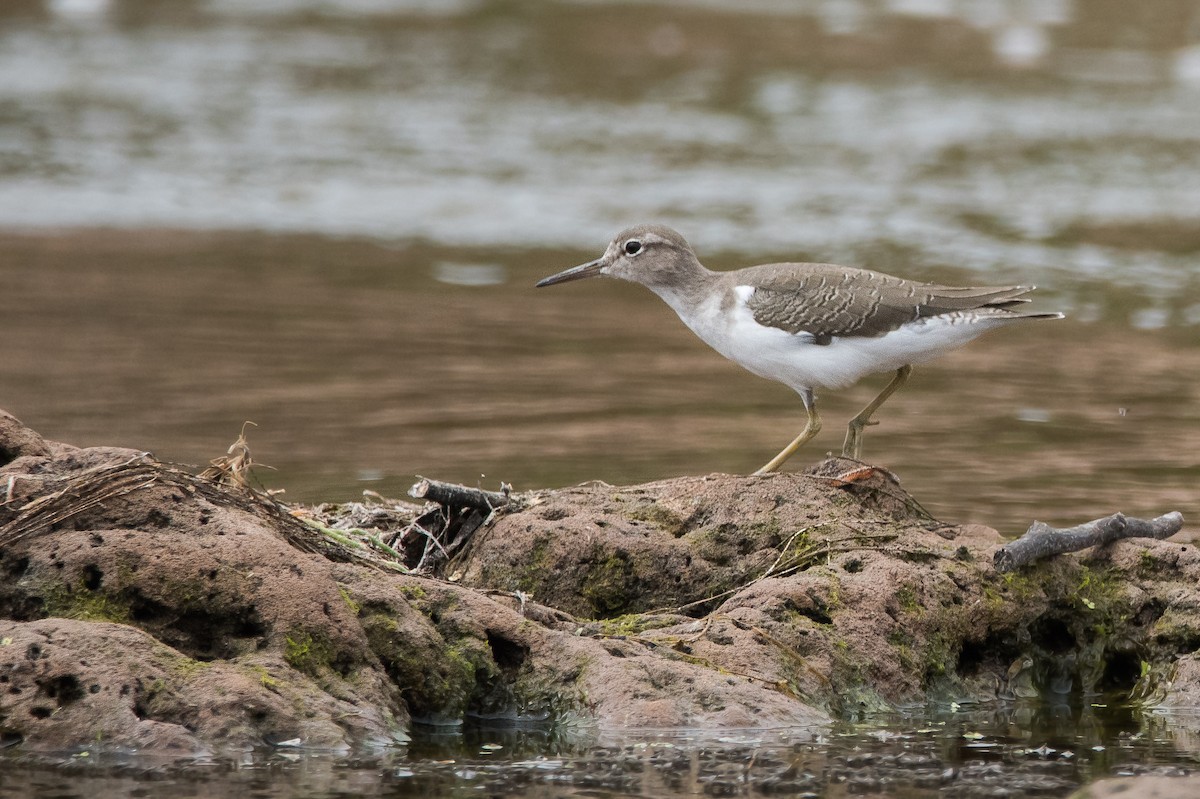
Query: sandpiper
(808, 326)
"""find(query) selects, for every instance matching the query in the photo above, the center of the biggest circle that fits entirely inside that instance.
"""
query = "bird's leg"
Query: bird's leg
(811, 428)
(853, 446)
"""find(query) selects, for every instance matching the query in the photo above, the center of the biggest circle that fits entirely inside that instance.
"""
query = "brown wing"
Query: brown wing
(829, 300)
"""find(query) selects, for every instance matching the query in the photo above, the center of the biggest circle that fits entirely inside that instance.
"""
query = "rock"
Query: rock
(600, 552)
(141, 611)
(80, 682)
(17, 440)
(180, 611)
(482, 656)
(869, 602)
(146, 608)
(1141, 788)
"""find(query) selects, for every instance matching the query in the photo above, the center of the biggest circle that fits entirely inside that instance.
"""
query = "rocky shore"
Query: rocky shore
(145, 607)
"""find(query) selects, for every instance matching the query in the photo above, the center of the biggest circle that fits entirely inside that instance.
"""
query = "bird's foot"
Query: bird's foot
(852, 448)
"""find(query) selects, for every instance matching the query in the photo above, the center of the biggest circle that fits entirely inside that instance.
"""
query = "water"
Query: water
(1038, 750)
(327, 216)
(363, 369)
(826, 128)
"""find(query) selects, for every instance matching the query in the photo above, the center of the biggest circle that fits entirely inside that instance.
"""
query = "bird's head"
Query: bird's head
(652, 255)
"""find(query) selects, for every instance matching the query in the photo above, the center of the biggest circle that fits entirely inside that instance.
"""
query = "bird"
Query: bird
(808, 325)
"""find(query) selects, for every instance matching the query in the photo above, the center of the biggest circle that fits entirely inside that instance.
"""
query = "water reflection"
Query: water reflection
(1037, 749)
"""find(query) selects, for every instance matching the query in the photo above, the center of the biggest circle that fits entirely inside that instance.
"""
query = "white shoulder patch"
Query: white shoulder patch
(743, 293)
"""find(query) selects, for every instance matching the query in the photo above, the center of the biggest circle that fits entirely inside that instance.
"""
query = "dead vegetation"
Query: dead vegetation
(423, 539)
(62, 498)
(232, 468)
(385, 533)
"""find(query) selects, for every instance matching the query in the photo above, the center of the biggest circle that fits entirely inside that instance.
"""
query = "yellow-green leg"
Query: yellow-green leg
(853, 446)
(811, 428)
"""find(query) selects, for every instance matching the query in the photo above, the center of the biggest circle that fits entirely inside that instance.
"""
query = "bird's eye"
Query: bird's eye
(633, 247)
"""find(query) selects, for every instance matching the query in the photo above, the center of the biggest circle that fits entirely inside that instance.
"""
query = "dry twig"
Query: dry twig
(1041, 540)
(232, 468)
(452, 495)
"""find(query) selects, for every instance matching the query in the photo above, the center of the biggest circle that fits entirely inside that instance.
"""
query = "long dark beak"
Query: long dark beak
(590, 269)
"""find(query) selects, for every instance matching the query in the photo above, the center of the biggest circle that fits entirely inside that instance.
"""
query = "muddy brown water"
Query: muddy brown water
(362, 370)
(327, 217)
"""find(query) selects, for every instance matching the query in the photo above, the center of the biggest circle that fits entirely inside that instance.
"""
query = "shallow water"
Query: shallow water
(1035, 750)
(326, 216)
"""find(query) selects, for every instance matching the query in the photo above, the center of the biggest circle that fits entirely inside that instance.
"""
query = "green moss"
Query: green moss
(1148, 565)
(436, 677)
(770, 529)
(1026, 585)
(189, 667)
(609, 587)
(801, 542)
(833, 600)
(993, 601)
(1176, 632)
(537, 567)
(802, 551)
(311, 654)
(1097, 590)
(264, 678)
(468, 661)
(902, 642)
(720, 545)
(848, 688)
(634, 623)
(1095, 608)
(661, 517)
(540, 554)
(78, 602)
(355, 607)
(906, 598)
(942, 650)
(412, 592)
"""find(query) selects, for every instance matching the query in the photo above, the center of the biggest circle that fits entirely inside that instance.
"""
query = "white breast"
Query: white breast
(797, 361)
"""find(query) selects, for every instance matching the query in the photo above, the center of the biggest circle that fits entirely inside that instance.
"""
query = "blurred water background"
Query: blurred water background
(326, 216)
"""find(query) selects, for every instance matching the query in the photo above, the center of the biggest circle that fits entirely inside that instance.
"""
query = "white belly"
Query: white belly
(795, 360)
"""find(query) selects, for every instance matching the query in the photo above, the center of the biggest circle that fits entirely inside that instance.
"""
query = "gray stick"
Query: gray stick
(1041, 540)
(451, 495)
